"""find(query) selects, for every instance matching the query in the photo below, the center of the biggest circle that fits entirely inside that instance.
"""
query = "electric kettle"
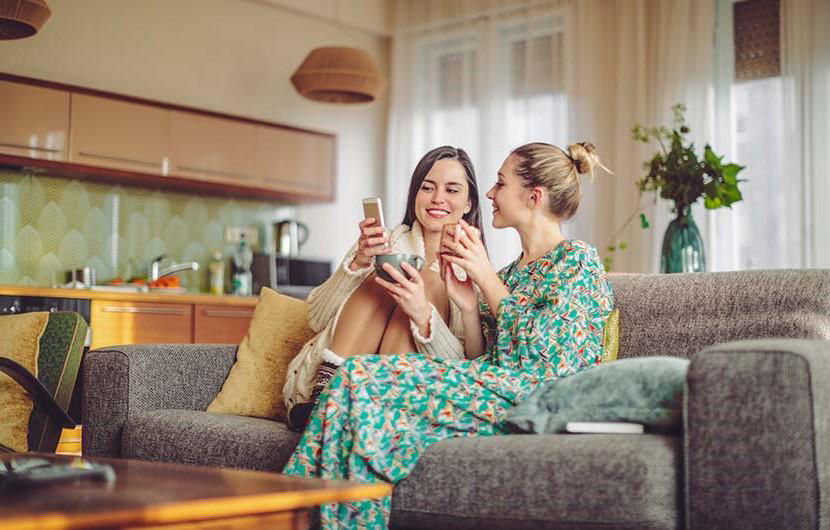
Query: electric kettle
(289, 235)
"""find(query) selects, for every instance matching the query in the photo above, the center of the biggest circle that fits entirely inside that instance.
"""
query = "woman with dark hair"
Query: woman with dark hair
(354, 316)
(540, 318)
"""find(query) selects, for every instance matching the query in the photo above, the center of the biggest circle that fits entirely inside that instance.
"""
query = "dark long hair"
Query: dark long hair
(473, 217)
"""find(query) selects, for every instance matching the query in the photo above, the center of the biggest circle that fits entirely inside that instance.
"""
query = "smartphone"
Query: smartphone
(372, 208)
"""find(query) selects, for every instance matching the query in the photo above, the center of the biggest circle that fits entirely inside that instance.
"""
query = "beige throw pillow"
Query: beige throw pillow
(20, 342)
(278, 330)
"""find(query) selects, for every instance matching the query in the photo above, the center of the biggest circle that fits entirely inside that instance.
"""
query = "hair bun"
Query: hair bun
(585, 158)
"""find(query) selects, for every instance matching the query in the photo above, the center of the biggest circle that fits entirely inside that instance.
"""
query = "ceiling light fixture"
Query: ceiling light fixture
(22, 18)
(337, 74)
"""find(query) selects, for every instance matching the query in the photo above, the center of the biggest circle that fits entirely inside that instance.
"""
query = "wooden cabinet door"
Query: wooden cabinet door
(34, 121)
(295, 161)
(214, 324)
(140, 323)
(214, 149)
(119, 134)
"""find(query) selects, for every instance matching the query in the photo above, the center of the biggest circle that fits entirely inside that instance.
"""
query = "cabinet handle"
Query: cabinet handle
(120, 159)
(217, 172)
(28, 147)
(227, 313)
(146, 310)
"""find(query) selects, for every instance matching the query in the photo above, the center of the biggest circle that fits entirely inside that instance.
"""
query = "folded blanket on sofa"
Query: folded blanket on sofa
(646, 390)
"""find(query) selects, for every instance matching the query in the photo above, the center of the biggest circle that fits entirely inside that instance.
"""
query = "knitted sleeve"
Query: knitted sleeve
(326, 299)
(442, 342)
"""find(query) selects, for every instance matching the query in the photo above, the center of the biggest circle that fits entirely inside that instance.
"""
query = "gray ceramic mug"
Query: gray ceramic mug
(395, 260)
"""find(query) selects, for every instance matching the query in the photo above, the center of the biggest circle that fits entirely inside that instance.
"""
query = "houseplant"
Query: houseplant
(677, 173)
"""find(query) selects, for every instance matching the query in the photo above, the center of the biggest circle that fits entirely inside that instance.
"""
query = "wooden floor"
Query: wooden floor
(70, 442)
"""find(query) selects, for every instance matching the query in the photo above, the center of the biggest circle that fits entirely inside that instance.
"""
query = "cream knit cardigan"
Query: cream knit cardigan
(327, 300)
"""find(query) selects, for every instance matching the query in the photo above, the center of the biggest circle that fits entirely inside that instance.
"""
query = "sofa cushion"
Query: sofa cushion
(648, 391)
(20, 342)
(208, 439)
(580, 481)
(277, 332)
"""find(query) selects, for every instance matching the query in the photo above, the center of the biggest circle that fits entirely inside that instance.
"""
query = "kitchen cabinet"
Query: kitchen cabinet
(119, 134)
(294, 160)
(35, 121)
(115, 323)
(85, 133)
(216, 149)
(216, 324)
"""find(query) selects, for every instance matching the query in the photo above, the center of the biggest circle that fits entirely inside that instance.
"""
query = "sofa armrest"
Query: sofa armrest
(122, 380)
(756, 435)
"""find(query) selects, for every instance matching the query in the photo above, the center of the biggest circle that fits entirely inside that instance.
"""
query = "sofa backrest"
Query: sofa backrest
(680, 314)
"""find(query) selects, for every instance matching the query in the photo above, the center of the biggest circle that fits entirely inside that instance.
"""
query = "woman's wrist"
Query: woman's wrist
(355, 265)
(422, 322)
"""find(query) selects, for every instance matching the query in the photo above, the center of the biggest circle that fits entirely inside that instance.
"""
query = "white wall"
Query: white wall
(230, 56)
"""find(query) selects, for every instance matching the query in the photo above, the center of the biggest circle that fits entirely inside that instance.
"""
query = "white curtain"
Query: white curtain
(485, 76)
(488, 76)
(778, 128)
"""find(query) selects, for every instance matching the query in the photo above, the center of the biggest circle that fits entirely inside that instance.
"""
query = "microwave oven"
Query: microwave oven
(285, 272)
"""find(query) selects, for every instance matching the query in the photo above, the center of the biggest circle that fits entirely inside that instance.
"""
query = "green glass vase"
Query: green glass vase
(682, 246)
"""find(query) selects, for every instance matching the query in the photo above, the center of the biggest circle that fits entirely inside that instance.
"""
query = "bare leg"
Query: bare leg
(397, 338)
(363, 320)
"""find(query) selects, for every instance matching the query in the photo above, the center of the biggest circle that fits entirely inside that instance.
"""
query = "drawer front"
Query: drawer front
(140, 323)
(221, 324)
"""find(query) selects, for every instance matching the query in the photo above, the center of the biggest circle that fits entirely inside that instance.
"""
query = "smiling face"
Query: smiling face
(443, 197)
(509, 196)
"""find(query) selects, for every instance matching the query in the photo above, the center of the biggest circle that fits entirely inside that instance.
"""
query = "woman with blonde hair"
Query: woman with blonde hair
(540, 318)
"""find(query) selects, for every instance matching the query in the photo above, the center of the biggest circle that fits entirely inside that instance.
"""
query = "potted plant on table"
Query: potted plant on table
(677, 173)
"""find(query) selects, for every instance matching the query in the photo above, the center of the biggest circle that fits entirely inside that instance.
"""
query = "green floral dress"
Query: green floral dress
(380, 412)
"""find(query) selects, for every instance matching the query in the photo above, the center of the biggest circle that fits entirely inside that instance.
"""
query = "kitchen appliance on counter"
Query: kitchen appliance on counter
(289, 236)
(289, 275)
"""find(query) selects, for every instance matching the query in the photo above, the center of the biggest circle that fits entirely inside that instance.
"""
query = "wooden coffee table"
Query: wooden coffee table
(175, 496)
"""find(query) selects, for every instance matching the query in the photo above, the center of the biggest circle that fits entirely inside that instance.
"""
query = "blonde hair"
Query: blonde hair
(550, 167)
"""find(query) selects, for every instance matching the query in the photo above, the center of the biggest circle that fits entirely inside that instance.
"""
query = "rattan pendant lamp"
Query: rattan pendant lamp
(338, 74)
(22, 18)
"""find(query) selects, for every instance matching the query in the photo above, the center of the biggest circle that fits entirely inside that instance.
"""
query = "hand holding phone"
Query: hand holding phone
(373, 238)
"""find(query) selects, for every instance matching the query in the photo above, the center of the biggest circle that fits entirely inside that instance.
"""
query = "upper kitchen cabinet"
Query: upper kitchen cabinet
(119, 134)
(84, 133)
(35, 121)
(215, 149)
(296, 161)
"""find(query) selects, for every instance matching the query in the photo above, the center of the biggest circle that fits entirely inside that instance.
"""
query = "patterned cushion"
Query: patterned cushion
(20, 342)
(611, 337)
(61, 350)
(278, 330)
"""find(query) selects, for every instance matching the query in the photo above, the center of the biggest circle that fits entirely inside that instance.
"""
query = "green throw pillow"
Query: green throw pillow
(645, 390)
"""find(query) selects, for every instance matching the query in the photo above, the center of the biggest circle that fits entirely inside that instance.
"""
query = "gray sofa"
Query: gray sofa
(755, 451)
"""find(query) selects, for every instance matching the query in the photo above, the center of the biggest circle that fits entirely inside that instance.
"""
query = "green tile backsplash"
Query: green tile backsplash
(51, 225)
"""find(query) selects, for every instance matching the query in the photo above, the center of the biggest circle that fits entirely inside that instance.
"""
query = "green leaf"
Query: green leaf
(611, 248)
(730, 173)
(712, 202)
(643, 221)
(623, 246)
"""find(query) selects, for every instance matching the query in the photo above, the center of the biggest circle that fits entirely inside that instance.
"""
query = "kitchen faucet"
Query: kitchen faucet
(157, 272)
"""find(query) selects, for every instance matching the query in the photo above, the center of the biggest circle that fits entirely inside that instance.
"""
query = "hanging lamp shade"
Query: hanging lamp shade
(22, 18)
(338, 75)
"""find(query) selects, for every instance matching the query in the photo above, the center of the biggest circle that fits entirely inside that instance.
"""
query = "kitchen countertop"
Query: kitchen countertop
(152, 296)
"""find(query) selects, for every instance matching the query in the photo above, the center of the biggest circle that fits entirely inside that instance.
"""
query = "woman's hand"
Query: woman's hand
(462, 294)
(470, 253)
(409, 294)
(373, 241)
(472, 257)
